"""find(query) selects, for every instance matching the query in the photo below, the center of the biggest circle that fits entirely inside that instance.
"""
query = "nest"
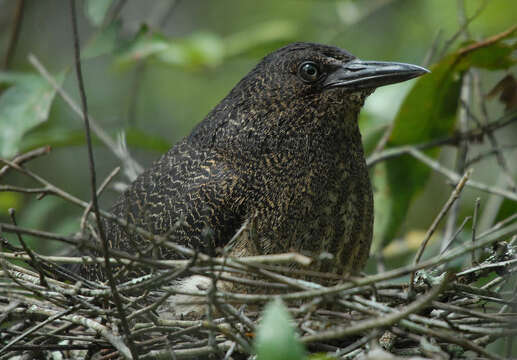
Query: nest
(424, 309)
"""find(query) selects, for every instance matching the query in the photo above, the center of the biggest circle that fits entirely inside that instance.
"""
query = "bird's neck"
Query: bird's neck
(301, 131)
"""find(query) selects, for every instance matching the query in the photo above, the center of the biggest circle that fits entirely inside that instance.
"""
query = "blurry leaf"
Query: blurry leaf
(58, 137)
(428, 112)
(265, 37)
(9, 200)
(276, 339)
(55, 137)
(96, 10)
(372, 131)
(507, 209)
(507, 90)
(139, 139)
(102, 43)
(204, 49)
(200, 49)
(145, 44)
(22, 107)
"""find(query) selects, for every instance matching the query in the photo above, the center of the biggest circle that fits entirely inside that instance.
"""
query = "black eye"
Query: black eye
(308, 71)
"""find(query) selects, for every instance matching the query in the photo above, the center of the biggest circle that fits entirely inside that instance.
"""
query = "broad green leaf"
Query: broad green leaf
(276, 339)
(428, 112)
(96, 10)
(23, 106)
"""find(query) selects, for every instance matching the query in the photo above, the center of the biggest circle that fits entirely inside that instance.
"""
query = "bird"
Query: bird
(281, 152)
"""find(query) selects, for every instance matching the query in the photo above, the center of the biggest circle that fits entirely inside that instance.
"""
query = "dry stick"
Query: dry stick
(131, 166)
(284, 258)
(474, 228)
(474, 134)
(454, 177)
(493, 142)
(380, 322)
(494, 151)
(93, 183)
(484, 239)
(455, 235)
(29, 252)
(20, 159)
(36, 328)
(116, 341)
(447, 336)
(463, 149)
(460, 31)
(99, 192)
(454, 196)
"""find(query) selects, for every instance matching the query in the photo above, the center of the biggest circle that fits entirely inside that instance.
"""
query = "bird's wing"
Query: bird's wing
(189, 194)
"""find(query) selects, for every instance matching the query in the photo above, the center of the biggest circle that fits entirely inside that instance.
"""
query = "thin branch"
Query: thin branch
(93, 184)
(131, 166)
(452, 199)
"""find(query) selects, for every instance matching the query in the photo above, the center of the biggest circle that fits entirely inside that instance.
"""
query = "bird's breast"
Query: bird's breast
(321, 206)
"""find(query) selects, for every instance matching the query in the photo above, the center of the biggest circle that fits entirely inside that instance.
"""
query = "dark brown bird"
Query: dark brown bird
(282, 150)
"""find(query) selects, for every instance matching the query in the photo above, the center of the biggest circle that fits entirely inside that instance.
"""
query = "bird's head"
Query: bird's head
(295, 87)
(305, 71)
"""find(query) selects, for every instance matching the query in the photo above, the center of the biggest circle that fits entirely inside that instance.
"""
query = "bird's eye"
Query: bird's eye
(308, 71)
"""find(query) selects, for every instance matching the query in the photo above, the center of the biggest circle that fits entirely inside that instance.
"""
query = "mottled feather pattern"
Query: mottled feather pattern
(281, 153)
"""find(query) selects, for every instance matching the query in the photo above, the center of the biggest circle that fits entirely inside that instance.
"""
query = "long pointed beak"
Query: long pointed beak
(358, 74)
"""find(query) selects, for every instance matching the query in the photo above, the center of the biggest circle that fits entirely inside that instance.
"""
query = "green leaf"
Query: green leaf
(23, 106)
(96, 10)
(199, 49)
(204, 49)
(265, 36)
(9, 200)
(144, 44)
(276, 339)
(428, 112)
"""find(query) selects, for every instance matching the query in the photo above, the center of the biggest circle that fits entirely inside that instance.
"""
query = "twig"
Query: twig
(28, 156)
(455, 235)
(454, 196)
(93, 184)
(474, 228)
(99, 192)
(474, 134)
(382, 321)
(131, 166)
(454, 177)
(36, 328)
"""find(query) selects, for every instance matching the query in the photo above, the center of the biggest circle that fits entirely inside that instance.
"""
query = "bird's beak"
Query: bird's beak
(358, 74)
